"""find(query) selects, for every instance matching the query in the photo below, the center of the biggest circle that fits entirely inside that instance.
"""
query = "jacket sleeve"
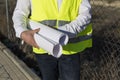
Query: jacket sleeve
(79, 24)
(20, 16)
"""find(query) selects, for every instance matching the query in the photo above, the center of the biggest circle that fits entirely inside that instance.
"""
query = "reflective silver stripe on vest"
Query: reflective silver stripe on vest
(52, 23)
(61, 23)
(79, 39)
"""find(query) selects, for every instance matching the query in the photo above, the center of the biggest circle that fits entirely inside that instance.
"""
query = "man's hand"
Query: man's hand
(28, 37)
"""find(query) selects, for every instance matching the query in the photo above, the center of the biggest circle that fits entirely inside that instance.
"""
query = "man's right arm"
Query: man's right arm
(20, 16)
(20, 20)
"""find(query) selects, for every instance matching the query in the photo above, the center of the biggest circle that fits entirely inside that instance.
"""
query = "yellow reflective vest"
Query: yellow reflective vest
(47, 13)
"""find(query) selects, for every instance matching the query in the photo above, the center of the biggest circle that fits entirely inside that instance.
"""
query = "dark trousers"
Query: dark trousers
(67, 67)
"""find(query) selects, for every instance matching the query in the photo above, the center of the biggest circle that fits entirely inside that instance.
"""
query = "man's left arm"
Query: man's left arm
(79, 24)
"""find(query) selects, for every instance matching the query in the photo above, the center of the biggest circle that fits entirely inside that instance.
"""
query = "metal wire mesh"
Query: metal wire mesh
(102, 62)
(6, 25)
(103, 59)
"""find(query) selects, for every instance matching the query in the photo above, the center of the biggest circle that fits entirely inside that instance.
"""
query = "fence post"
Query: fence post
(7, 18)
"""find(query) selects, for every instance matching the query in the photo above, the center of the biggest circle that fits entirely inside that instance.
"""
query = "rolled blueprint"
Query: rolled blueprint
(51, 47)
(49, 33)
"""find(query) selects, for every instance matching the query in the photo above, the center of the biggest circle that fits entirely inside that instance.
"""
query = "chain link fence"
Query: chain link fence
(102, 61)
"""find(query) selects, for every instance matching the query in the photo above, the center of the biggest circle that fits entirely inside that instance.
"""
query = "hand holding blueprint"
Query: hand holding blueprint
(49, 39)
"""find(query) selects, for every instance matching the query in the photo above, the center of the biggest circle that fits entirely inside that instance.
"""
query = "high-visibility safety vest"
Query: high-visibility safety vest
(46, 12)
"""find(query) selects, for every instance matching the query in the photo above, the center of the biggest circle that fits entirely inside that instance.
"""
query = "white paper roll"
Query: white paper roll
(49, 32)
(50, 46)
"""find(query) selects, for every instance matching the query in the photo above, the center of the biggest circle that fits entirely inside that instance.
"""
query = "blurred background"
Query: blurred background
(101, 62)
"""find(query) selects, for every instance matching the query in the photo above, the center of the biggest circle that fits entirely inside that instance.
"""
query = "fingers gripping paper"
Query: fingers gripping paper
(52, 47)
(49, 39)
